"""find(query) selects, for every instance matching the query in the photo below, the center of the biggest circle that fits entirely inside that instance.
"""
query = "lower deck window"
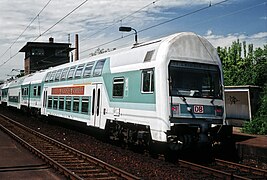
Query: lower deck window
(76, 103)
(50, 102)
(55, 102)
(68, 103)
(61, 103)
(85, 105)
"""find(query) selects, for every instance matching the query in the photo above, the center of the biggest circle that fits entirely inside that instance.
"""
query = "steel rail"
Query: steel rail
(243, 168)
(211, 171)
(68, 173)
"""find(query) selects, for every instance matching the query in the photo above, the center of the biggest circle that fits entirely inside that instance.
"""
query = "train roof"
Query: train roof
(185, 46)
(34, 78)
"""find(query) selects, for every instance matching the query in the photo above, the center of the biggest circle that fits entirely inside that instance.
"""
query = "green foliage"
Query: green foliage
(256, 126)
(259, 124)
(242, 68)
(242, 65)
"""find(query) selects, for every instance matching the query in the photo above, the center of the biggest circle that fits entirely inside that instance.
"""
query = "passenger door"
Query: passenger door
(96, 104)
(44, 101)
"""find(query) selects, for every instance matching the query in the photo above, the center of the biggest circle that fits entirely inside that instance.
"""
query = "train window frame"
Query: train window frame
(68, 104)
(55, 103)
(61, 103)
(39, 90)
(76, 104)
(64, 74)
(35, 90)
(52, 77)
(47, 76)
(85, 105)
(117, 91)
(99, 68)
(50, 102)
(79, 71)
(71, 72)
(151, 79)
(25, 91)
(88, 69)
(58, 74)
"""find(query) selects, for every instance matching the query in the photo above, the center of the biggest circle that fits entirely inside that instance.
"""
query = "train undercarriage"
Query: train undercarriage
(181, 139)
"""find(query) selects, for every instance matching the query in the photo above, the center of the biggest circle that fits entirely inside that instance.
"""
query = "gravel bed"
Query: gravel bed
(141, 165)
(138, 164)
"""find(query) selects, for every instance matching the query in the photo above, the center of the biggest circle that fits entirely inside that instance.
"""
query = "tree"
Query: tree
(249, 69)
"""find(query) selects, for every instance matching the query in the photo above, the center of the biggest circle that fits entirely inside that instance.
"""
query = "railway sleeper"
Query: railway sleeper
(95, 171)
(91, 175)
(69, 161)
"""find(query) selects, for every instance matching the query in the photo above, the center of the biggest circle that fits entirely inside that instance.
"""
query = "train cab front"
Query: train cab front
(196, 104)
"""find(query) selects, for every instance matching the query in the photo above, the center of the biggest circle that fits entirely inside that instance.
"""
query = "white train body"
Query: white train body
(150, 90)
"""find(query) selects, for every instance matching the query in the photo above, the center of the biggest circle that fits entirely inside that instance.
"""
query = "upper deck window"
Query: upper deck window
(88, 69)
(58, 74)
(99, 67)
(48, 77)
(71, 72)
(53, 74)
(64, 74)
(79, 71)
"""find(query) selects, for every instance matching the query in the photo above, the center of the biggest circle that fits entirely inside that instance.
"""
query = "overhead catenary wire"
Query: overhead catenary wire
(61, 20)
(47, 29)
(159, 24)
(120, 20)
(26, 28)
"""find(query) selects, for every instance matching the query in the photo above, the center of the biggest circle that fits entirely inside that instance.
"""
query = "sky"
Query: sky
(97, 23)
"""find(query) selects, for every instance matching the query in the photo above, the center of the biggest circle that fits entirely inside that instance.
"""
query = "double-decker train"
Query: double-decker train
(165, 94)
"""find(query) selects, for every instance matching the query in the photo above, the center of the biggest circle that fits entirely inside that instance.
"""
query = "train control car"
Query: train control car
(166, 93)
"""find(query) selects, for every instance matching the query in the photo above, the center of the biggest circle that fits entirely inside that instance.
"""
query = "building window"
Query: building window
(88, 69)
(76, 102)
(38, 52)
(68, 103)
(118, 84)
(99, 67)
(79, 71)
(61, 103)
(71, 72)
(85, 105)
(61, 53)
(64, 74)
(148, 81)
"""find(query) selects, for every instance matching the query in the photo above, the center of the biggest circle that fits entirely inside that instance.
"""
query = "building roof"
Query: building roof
(31, 45)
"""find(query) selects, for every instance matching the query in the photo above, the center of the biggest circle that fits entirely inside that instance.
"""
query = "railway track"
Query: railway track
(71, 163)
(226, 170)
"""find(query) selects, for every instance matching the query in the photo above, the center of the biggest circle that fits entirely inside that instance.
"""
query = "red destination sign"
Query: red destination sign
(75, 90)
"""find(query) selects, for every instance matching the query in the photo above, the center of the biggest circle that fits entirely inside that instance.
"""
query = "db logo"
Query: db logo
(199, 109)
